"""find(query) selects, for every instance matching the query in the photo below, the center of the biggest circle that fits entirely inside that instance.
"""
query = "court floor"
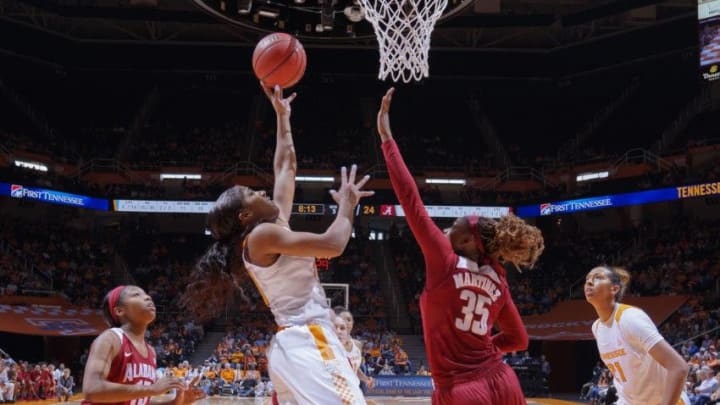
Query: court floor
(265, 401)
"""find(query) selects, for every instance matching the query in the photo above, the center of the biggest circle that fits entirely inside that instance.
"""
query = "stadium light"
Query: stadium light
(180, 176)
(591, 176)
(460, 182)
(316, 179)
(31, 165)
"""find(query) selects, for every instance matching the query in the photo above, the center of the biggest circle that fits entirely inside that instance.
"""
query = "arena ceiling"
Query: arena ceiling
(523, 31)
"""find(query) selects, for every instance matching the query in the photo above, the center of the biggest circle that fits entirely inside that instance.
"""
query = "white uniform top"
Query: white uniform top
(355, 356)
(623, 345)
(292, 290)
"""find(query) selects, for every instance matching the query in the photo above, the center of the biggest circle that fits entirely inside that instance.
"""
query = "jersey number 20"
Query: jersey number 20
(475, 306)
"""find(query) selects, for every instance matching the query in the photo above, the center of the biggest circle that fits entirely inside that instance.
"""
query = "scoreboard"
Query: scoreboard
(709, 38)
(395, 210)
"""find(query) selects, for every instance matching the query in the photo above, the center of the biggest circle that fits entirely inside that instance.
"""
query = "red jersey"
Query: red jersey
(46, 376)
(462, 300)
(131, 368)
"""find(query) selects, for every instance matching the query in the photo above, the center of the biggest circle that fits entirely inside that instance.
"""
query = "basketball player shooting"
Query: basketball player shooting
(121, 366)
(646, 369)
(306, 361)
(466, 291)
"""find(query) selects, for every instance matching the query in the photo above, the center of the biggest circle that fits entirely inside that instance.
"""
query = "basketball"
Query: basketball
(279, 59)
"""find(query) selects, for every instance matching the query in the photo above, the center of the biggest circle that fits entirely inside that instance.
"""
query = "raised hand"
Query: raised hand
(383, 117)
(280, 104)
(349, 190)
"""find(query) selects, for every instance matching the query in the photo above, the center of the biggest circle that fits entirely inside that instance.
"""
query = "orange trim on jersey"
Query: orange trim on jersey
(252, 277)
(620, 311)
(321, 342)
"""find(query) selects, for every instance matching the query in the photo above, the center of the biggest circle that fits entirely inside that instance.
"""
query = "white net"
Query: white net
(403, 29)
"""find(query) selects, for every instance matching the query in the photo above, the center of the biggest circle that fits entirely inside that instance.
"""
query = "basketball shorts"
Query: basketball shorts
(308, 365)
(501, 387)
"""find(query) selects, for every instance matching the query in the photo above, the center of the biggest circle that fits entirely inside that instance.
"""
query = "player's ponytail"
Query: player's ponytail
(214, 280)
(621, 278)
(515, 241)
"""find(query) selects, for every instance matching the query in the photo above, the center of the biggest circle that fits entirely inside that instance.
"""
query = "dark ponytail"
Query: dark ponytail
(219, 272)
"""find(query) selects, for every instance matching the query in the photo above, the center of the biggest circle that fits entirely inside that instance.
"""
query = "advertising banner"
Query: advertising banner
(51, 320)
(52, 196)
(573, 319)
(408, 386)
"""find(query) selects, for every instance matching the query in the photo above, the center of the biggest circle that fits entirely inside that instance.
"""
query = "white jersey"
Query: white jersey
(355, 356)
(624, 344)
(292, 290)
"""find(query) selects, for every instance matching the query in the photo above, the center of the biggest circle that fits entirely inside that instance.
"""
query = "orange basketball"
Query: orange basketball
(279, 58)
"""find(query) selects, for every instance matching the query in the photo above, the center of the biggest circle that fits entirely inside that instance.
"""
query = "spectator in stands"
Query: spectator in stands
(599, 391)
(65, 386)
(422, 371)
(7, 387)
(227, 374)
(708, 386)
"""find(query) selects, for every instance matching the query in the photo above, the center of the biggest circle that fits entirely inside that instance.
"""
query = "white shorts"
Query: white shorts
(308, 365)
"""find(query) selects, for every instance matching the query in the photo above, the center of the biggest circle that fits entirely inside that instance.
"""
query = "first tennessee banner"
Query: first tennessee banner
(573, 319)
(51, 320)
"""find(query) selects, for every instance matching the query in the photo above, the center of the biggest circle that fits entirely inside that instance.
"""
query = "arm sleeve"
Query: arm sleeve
(639, 330)
(513, 336)
(435, 246)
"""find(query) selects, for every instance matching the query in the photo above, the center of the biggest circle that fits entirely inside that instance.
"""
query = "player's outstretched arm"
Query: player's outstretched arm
(435, 246)
(271, 239)
(285, 162)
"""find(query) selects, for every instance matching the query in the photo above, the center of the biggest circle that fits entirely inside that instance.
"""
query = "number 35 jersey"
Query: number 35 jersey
(458, 318)
(624, 342)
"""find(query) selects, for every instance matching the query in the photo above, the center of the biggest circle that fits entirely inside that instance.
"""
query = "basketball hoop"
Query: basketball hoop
(403, 29)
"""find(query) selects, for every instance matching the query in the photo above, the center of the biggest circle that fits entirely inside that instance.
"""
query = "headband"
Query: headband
(113, 298)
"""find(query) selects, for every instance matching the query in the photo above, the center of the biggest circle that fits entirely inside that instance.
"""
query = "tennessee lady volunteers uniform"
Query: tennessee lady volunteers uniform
(624, 342)
(306, 361)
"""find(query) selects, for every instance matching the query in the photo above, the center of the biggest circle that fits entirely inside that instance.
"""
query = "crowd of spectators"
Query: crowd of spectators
(25, 381)
(49, 256)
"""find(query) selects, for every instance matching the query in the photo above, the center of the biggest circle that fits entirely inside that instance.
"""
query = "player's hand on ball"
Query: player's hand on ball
(280, 104)
(350, 190)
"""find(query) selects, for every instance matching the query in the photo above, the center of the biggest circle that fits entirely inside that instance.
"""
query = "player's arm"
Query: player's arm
(96, 386)
(677, 371)
(642, 332)
(435, 246)
(270, 239)
(368, 380)
(285, 162)
(513, 336)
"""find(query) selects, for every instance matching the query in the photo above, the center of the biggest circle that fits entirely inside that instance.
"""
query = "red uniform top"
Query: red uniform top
(131, 368)
(46, 376)
(462, 300)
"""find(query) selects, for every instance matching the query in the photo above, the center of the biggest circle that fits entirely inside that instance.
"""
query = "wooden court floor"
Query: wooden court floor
(264, 401)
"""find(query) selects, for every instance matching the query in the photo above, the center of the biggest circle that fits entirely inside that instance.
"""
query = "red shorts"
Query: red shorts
(498, 388)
